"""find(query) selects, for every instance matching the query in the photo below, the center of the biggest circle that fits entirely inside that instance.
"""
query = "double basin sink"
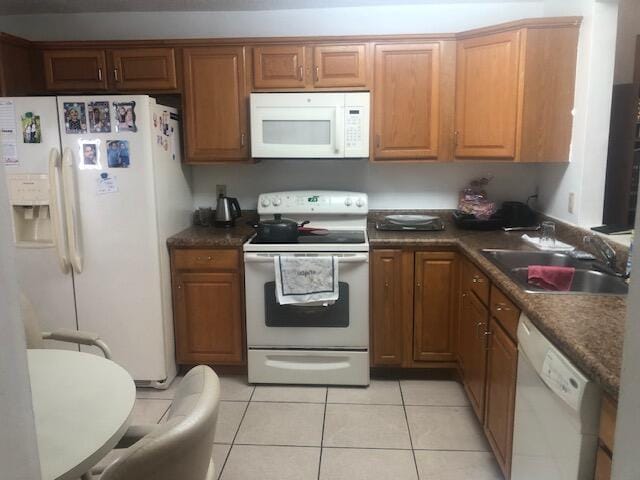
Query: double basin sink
(588, 279)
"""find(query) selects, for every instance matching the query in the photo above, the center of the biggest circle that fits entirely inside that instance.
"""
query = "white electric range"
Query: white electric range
(311, 343)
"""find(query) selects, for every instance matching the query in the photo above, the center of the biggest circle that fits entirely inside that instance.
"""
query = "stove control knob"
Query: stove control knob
(265, 202)
(276, 201)
(348, 202)
(359, 202)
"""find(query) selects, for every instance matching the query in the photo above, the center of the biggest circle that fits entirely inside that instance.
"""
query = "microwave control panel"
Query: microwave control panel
(356, 124)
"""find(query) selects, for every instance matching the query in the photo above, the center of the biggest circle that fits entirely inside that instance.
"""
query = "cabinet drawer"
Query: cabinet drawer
(503, 310)
(478, 282)
(205, 259)
(608, 422)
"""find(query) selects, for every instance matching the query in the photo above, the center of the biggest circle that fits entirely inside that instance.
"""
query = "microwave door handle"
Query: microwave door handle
(339, 132)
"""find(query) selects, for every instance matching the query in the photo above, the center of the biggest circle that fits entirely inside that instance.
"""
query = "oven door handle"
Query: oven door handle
(268, 258)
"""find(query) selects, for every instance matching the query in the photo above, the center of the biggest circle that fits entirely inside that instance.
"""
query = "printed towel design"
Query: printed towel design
(306, 279)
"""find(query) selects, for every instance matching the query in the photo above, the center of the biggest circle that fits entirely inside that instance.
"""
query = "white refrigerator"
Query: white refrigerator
(96, 186)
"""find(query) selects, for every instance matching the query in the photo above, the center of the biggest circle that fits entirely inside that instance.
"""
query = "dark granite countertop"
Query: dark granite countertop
(588, 329)
(214, 237)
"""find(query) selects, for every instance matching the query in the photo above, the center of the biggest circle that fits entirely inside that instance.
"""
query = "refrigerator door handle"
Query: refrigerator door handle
(71, 209)
(54, 207)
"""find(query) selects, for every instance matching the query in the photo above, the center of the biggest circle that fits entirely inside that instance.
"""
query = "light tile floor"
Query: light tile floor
(392, 430)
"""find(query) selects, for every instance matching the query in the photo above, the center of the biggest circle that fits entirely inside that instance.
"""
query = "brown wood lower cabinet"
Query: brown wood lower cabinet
(471, 346)
(488, 358)
(434, 318)
(502, 367)
(207, 304)
(386, 307)
(413, 309)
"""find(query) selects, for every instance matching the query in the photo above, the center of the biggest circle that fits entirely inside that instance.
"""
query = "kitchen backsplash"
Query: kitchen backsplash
(389, 185)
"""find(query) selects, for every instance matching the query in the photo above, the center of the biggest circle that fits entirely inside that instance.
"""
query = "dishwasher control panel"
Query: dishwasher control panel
(561, 378)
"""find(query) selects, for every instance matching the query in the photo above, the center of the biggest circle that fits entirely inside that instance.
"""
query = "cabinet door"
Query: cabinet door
(406, 101)
(434, 322)
(386, 307)
(502, 367)
(208, 318)
(473, 325)
(339, 66)
(75, 70)
(487, 95)
(144, 69)
(279, 66)
(215, 104)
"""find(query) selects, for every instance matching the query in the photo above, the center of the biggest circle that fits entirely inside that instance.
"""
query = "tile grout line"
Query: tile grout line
(233, 440)
(324, 418)
(406, 419)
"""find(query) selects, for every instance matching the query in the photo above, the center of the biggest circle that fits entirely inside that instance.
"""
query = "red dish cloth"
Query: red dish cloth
(551, 277)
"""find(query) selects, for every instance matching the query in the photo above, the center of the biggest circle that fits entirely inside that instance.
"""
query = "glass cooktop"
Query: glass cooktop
(326, 236)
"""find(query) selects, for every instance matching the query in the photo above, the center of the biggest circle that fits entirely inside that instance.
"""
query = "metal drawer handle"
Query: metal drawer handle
(317, 74)
(502, 307)
(199, 259)
(115, 75)
(300, 67)
(477, 279)
(100, 73)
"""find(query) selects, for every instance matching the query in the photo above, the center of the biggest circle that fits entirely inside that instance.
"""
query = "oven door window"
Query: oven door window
(335, 315)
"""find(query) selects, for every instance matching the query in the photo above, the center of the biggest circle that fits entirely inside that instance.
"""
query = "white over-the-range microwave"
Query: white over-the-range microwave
(310, 125)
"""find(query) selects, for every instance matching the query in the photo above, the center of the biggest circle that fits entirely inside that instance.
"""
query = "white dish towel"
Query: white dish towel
(306, 279)
(558, 247)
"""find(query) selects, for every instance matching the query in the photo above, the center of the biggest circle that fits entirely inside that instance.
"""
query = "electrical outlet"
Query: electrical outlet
(221, 190)
(572, 201)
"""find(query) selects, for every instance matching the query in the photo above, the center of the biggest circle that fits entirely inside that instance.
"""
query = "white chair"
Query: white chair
(181, 448)
(35, 337)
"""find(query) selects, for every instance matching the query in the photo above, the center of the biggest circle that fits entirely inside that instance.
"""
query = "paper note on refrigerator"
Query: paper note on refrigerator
(106, 184)
(8, 135)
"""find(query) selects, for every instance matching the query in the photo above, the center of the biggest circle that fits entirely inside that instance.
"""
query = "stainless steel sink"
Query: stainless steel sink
(588, 277)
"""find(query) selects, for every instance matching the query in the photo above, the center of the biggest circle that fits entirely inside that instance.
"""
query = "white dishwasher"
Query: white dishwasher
(556, 414)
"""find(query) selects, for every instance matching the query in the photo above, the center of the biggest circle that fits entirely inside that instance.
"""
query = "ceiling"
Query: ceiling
(20, 7)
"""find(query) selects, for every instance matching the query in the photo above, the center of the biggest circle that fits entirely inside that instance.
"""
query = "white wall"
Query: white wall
(628, 30)
(388, 185)
(446, 16)
(18, 448)
(585, 174)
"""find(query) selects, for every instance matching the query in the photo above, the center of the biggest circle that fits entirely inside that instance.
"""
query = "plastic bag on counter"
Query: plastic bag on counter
(473, 199)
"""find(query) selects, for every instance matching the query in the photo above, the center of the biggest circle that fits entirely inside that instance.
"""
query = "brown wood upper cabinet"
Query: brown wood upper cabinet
(207, 302)
(436, 284)
(144, 69)
(307, 67)
(406, 101)
(281, 66)
(340, 66)
(121, 69)
(215, 104)
(75, 70)
(514, 93)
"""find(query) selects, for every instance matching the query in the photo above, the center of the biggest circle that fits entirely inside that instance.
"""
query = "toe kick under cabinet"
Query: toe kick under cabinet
(208, 307)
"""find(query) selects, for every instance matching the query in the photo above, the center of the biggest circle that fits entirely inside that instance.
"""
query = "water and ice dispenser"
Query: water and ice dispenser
(30, 200)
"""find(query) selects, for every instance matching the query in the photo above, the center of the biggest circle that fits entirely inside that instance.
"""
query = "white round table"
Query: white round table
(82, 405)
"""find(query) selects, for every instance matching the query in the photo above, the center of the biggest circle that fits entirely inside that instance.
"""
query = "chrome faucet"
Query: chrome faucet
(606, 251)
